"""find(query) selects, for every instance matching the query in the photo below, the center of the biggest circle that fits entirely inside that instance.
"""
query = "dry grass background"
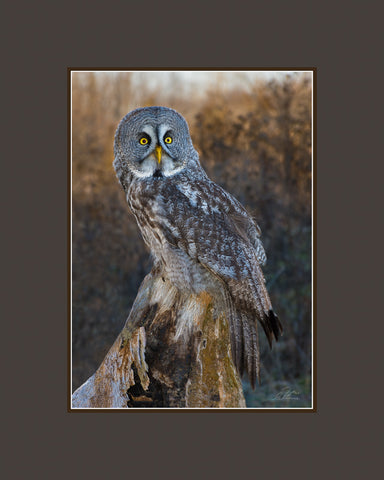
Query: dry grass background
(254, 139)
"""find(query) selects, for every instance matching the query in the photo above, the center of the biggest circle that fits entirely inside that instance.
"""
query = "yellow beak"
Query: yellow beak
(158, 151)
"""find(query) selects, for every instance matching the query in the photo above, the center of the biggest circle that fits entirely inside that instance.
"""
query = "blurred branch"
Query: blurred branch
(275, 277)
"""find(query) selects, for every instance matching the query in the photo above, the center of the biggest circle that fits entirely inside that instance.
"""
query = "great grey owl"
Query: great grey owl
(199, 234)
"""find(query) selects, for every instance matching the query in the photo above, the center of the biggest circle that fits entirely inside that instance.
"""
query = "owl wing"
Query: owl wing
(218, 232)
(240, 221)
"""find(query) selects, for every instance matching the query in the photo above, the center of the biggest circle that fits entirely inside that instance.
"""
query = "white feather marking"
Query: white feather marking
(164, 295)
(163, 129)
(149, 130)
(192, 249)
(146, 168)
(191, 194)
(188, 318)
(170, 173)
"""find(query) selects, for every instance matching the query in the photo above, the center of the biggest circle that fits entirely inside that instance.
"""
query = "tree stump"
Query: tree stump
(174, 351)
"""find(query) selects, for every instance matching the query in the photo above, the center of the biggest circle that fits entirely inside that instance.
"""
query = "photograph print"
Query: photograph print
(191, 236)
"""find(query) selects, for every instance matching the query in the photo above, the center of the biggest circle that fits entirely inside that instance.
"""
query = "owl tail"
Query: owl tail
(272, 326)
(251, 350)
(244, 345)
(245, 339)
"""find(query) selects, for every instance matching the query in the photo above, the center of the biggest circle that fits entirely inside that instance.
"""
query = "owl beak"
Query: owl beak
(158, 151)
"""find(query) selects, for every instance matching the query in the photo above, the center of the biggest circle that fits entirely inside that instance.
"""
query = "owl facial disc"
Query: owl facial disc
(153, 142)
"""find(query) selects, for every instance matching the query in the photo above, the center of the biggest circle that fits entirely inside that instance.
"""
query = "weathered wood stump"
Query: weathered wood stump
(174, 351)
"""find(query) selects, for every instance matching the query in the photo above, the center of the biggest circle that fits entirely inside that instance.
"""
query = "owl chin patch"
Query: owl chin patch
(158, 173)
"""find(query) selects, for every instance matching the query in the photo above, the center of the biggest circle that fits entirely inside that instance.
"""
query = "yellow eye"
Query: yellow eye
(168, 140)
(143, 140)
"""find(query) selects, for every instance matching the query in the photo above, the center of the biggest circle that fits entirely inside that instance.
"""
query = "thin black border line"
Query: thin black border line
(69, 239)
(314, 240)
(314, 245)
(192, 69)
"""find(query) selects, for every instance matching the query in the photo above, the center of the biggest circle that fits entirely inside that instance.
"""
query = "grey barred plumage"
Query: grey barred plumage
(200, 236)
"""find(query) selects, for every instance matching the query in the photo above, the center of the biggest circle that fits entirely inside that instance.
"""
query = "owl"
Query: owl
(200, 236)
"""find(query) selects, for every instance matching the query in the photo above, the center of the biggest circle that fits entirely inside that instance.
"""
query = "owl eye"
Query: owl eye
(168, 140)
(144, 141)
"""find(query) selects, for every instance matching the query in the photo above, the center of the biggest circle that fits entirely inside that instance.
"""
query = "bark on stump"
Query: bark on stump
(174, 351)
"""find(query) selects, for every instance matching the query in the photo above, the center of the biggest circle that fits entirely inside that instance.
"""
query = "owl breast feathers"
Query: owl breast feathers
(198, 233)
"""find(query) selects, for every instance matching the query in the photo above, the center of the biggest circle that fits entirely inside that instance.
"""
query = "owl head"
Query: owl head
(153, 143)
